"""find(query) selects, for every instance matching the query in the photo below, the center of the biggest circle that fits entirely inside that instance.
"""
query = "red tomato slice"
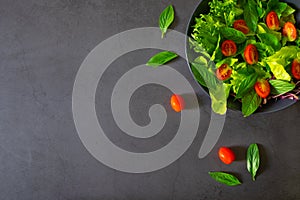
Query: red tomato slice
(272, 21)
(228, 48)
(289, 30)
(251, 54)
(262, 88)
(223, 72)
(226, 155)
(241, 25)
(296, 69)
(177, 102)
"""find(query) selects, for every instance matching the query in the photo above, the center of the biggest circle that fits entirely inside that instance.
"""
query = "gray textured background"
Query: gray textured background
(42, 45)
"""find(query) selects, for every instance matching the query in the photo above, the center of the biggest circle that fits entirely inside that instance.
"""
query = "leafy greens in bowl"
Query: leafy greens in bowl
(246, 54)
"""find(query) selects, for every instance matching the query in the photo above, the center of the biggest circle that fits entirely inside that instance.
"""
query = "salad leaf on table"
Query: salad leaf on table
(165, 19)
(161, 58)
(225, 178)
(253, 160)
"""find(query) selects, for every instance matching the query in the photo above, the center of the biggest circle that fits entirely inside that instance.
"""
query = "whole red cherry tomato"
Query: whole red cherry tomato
(224, 72)
(262, 88)
(296, 68)
(228, 48)
(272, 21)
(177, 103)
(251, 54)
(241, 25)
(289, 30)
(226, 155)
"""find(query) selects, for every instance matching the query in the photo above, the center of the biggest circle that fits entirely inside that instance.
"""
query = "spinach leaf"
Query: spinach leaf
(161, 58)
(225, 178)
(246, 85)
(250, 102)
(251, 15)
(165, 19)
(270, 39)
(233, 34)
(281, 87)
(253, 160)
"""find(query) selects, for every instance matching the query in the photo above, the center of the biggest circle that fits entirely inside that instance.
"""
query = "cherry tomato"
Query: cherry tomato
(289, 30)
(241, 25)
(226, 155)
(262, 88)
(224, 72)
(251, 54)
(177, 102)
(296, 69)
(272, 21)
(228, 48)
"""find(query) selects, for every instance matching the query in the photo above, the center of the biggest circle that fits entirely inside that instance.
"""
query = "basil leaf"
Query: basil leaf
(251, 15)
(229, 61)
(197, 76)
(250, 102)
(165, 19)
(246, 85)
(288, 11)
(217, 90)
(253, 160)
(264, 50)
(161, 58)
(225, 178)
(270, 39)
(207, 75)
(281, 87)
(276, 6)
(233, 34)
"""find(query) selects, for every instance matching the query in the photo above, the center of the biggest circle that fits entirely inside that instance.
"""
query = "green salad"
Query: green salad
(249, 50)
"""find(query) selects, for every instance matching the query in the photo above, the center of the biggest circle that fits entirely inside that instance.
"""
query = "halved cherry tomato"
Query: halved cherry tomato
(272, 21)
(224, 72)
(296, 69)
(289, 30)
(241, 25)
(251, 54)
(177, 102)
(226, 155)
(228, 48)
(262, 88)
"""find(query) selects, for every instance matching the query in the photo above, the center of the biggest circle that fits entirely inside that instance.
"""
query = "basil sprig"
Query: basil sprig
(161, 58)
(225, 178)
(165, 19)
(253, 160)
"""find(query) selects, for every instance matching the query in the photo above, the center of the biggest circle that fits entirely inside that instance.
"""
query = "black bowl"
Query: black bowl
(272, 105)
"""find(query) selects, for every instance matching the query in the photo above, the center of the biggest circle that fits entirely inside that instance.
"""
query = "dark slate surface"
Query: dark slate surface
(43, 44)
